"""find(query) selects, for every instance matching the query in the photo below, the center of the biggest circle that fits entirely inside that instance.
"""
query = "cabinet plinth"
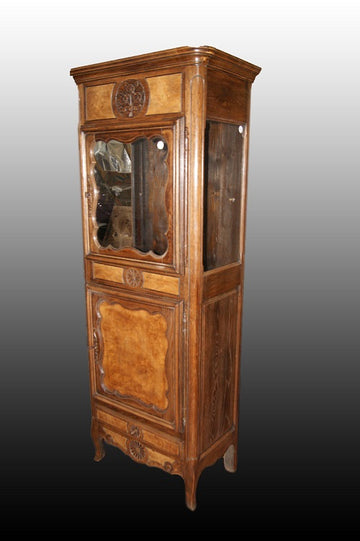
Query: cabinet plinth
(163, 141)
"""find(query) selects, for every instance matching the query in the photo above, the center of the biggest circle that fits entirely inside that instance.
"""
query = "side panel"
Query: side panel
(227, 97)
(218, 366)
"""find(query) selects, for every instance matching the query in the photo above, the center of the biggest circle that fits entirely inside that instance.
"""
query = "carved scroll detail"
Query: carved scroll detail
(134, 431)
(96, 346)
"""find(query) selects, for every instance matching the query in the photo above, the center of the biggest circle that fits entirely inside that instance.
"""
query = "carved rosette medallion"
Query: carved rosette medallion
(130, 98)
(133, 277)
(136, 450)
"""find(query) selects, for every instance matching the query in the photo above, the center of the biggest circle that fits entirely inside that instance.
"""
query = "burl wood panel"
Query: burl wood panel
(165, 94)
(108, 273)
(160, 282)
(98, 102)
(218, 366)
(134, 344)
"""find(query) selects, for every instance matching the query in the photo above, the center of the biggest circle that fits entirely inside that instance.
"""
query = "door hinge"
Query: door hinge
(184, 321)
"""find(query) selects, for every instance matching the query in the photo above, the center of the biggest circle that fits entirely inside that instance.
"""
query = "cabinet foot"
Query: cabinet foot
(190, 480)
(97, 441)
(230, 459)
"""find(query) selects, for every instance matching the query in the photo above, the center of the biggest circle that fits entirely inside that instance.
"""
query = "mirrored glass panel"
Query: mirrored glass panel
(131, 180)
(224, 144)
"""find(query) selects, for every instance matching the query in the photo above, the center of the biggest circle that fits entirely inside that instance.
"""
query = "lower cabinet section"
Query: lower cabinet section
(137, 441)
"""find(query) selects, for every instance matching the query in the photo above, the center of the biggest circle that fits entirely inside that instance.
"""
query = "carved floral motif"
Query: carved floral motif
(133, 277)
(130, 98)
(136, 450)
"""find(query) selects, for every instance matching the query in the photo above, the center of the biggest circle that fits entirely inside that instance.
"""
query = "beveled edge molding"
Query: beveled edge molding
(168, 58)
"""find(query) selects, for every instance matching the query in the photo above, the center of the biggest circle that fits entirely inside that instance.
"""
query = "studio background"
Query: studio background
(299, 405)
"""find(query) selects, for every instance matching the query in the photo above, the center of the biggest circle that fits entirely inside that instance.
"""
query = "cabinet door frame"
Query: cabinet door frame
(173, 130)
(172, 312)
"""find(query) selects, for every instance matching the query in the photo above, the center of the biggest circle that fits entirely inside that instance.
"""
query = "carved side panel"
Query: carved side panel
(218, 366)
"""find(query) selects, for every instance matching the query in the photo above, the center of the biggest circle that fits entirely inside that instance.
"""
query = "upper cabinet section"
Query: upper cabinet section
(162, 158)
(154, 84)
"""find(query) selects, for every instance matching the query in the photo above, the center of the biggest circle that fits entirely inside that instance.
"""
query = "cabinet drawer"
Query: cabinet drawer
(138, 432)
(140, 452)
(135, 278)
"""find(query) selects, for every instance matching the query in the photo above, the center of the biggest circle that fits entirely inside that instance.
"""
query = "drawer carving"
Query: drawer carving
(136, 432)
(139, 452)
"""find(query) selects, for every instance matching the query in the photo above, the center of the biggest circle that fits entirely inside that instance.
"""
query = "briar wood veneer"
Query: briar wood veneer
(163, 151)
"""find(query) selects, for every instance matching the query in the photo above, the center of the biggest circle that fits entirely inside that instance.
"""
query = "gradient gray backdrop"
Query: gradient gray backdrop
(299, 411)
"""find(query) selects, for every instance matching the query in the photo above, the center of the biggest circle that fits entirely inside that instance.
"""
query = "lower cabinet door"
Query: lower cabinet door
(135, 351)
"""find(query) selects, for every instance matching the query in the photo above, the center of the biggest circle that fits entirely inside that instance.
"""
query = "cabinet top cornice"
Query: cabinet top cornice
(177, 57)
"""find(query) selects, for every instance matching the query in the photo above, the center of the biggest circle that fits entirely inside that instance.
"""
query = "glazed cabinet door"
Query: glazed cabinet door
(132, 194)
(135, 352)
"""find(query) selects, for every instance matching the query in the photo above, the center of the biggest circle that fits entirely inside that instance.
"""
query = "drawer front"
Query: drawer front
(134, 430)
(141, 452)
(135, 279)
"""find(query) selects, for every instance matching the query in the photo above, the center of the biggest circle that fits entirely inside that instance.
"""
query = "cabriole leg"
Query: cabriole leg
(97, 440)
(190, 480)
(230, 459)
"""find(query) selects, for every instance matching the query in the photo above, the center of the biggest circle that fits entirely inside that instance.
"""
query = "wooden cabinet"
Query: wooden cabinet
(163, 152)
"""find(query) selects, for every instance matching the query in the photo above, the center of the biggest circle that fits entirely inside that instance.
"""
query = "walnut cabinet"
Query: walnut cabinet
(163, 141)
